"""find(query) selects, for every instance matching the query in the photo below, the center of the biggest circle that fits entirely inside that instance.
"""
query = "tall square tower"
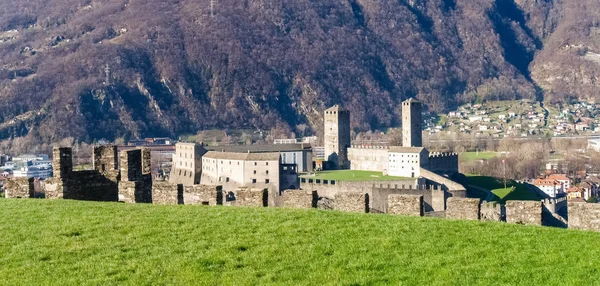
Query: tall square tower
(411, 123)
(337, 136)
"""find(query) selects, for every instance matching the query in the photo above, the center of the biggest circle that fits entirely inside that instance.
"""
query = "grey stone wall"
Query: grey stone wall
(299, 199)
(459, 208)
(146, 161)
(203, 195)
(19, 188)
(249, 197)
(410, 205)
(524, 212)
(368, 159)
(130, 165)
(62, 162)
(105, 158)
(491, 212)
(165, 193)
(584, 216)
(351, 202)
(135, 192)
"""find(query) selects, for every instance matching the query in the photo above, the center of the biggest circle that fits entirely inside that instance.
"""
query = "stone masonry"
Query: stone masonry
(249, 197)
(490, 212)
(165, 193)
(351, 202)
(584, 216)
(134, 187)
(299, 199)
(459, 208)
(203, 195)
(524, 212)
(19, 188)
(410, 205)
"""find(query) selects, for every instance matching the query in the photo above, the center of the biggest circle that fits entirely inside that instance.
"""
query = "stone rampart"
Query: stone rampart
(524, 212)
(249, 197)
(165, 193)
(203, 195)
(491, 212)
(135, 192)
(299, 199)
(584, 216)
(351, 202)
(462, 208)
(409, 205)
(443, 162)
(21, 188)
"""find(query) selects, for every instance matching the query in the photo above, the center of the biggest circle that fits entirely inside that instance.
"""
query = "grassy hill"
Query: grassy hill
(70, 242)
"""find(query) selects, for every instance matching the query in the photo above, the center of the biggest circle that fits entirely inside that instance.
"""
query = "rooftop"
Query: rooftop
(353, 175)
(400, 149)
(242, 156)
(260, 148)
(336, 107)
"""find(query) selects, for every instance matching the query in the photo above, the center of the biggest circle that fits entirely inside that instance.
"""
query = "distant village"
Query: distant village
(520, 118)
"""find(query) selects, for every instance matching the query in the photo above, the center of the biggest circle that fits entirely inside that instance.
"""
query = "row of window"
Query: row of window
(410, 156)
(318, 181)
(238, 162)
(267, 181)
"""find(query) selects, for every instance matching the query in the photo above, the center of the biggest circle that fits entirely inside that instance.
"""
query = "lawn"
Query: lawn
(472, 156)
(513, 190)
(352, 175)
(73, 243)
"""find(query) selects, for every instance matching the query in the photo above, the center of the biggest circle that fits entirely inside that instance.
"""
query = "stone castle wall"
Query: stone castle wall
(165, 193)
(410, 205)
(368, 159)
(462, 208)
(443, 162)
(524, 212)
(491, 212)
(203, 195)
(249, 197)
(351, 202)
(299, 199)
(584, 216)
(22, 188)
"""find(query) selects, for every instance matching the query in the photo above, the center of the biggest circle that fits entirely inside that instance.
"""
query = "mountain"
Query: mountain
(92, 69)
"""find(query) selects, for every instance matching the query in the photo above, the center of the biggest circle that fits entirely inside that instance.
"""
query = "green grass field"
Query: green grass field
(513, 190)
(75, 243)
(351, 175)
(472, 156)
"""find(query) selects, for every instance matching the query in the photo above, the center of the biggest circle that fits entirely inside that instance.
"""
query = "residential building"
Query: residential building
(407, 161)
(549, 186)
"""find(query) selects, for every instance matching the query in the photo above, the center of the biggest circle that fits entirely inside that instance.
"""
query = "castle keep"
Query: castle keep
(337, 137)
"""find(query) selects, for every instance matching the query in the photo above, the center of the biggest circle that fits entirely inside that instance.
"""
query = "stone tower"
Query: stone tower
(411, 123)
(337, 136)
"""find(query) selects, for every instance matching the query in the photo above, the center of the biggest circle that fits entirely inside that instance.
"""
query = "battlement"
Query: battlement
(442, 155)
(369, 147)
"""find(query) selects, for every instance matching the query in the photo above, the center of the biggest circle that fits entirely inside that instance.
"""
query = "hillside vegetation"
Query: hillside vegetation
(76, 243)
(93, 69)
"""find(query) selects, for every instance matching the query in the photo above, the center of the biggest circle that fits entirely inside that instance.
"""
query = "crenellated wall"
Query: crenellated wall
(21, 188)
(409, 205)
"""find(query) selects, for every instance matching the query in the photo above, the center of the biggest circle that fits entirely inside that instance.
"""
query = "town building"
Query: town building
(550, 187)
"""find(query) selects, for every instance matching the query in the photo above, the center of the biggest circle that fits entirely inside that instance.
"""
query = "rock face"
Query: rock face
(128, 70)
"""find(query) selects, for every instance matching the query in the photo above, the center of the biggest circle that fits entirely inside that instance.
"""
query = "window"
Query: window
(318, 181)
(303, 180)
(255, 163)
(267, 181)
(332, 182)
(310, 181)
(267, 163)
(254, 172)
(227, 180)
(253, 181)
(267, 172)
(325, 182)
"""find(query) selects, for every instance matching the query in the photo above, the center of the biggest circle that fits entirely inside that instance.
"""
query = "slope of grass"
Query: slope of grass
(352, 175)
(513, 190)
(472, 156)
(73, 243)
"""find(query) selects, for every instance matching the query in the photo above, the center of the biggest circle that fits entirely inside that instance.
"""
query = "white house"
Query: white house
(407, 161)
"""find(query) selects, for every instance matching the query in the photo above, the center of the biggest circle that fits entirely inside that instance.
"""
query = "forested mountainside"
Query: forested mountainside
(93, 69)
